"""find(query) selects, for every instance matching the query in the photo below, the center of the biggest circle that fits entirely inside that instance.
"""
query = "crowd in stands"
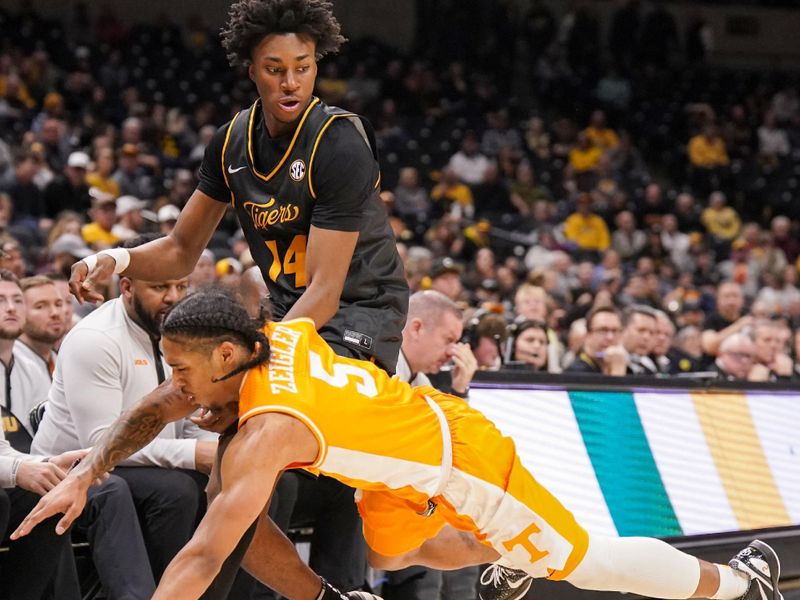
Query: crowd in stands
(626, 172)
(593, 205)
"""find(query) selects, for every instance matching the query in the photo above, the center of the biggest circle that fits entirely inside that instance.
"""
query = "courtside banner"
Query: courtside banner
(660, 463)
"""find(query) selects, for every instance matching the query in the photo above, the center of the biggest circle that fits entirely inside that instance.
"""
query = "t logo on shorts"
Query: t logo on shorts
(523, 539)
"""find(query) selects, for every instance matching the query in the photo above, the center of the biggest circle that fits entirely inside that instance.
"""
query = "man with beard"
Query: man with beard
(106, 364)
(44, 324)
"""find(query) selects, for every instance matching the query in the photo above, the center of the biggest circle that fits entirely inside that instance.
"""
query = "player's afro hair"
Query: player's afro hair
(250, 21)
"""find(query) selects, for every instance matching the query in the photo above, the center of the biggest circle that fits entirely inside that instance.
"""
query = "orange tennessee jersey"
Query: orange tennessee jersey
(375, 432)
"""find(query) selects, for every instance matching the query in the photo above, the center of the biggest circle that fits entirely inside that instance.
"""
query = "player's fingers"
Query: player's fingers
(66, 521)
(36, 516)
(76, 279)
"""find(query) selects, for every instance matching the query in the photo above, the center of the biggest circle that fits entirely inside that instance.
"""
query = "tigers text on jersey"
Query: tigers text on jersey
(419, 458)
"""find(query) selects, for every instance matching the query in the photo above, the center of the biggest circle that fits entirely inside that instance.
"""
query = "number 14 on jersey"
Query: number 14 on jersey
(293, 263)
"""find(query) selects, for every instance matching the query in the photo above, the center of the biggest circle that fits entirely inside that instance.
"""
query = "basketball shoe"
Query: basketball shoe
(761, 565)
(503, 583)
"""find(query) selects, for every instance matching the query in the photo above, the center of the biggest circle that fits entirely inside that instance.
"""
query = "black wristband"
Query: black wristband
(329, 592)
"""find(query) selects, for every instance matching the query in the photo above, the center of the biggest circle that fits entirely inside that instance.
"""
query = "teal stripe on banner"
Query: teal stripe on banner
(621, 457)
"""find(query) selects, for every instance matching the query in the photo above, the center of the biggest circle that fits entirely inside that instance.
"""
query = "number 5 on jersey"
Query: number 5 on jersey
(294, 263)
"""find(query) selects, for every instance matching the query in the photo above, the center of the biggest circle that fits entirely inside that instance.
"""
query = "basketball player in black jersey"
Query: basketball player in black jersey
(303, 178)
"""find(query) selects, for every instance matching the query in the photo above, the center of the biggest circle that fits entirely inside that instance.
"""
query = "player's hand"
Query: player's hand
(83, 284)
(217, 421)
(464, 366)
(68, 497)
(67, 459)
(204, 453)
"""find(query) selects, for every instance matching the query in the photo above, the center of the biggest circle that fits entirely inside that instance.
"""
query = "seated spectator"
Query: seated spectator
(741, 268)
(586, 230)
(600, 134)
(784, 239)
(525, 192)
(537, 139)
(688, 341)
(627, 240)
(669, 358)
(602, 351)
(720, 220)
(98, 232)
(575, 339)
(675, 242)
(69, 191)
(101, 177)
(204, 272)
(772, 362)
(11, 257)
(167, 216)
(452, 196)
(639, 332)
(773, 141)
(737, 354)
(729, 317)
(492, 200)
(528, 346)
(531, 303)
(468, 164)
(445, 278)
(707, 149)
(130, 222)
(410, 198)
(486, 333)
(131, 176)
(584, 156)
(778, 299)
(499, 134)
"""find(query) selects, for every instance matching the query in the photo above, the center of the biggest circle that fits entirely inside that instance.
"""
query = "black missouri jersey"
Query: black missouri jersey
(276, 205)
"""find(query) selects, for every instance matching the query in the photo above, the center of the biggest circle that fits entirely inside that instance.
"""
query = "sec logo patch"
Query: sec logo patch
(298, 170)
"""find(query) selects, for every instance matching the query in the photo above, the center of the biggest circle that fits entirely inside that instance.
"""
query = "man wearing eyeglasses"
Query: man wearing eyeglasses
(602, 350)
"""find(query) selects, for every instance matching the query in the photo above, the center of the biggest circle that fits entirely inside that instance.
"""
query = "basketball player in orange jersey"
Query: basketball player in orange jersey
(438, 484)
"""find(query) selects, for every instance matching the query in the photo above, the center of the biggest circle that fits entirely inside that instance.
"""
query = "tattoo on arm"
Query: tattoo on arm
(132, 431)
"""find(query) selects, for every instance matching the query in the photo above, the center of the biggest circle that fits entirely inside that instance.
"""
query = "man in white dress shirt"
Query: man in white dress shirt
(106, 364)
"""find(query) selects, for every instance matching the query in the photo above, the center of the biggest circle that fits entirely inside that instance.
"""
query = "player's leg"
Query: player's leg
(653, 568)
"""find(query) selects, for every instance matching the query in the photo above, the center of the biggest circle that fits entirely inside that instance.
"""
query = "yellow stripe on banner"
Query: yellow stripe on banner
(740, 460)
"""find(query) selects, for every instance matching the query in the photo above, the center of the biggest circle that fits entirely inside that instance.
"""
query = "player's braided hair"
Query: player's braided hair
(250, 21)
(212, 316)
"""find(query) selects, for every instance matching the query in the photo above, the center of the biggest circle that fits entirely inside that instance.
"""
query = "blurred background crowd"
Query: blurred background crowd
(598, 199)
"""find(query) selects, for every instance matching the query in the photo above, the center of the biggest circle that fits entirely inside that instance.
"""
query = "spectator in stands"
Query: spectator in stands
(98, 232)
(783, 238)
(737, 354)
(720, 220)
(11, 257)
(669, 358)
(537, 139)
(585, 230)
(531, 304)
(468, 164)
(69, 191)
(689, 341)
(772, 361)
(445, 277)
(167, 216)
(729, 317)
(525, 192)
(741, 267)
(132, 178)
(25, 194)
(204, 271)
(688, 213)
(492, 199)
(585, 156)
(411, 201)
(487, 333)
(602, 351)
(130, 222)
(107, 363)
(773, 141)
(627, 240)
(453, 197)
(639, 336)
(499, 134)
(781, 297)
(600, 134)
(707, 149)
(528, 346)
(101, 177)
(431, 347)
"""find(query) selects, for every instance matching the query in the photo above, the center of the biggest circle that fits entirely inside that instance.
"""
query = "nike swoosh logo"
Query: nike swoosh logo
(232, 171)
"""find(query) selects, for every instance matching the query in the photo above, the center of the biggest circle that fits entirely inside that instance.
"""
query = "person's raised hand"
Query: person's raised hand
(84, 284)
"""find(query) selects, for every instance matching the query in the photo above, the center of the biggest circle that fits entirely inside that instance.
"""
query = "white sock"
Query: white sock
(732, 583)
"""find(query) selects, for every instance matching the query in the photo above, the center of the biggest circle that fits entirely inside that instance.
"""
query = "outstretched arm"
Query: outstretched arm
(133, 430)
(258, 453)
